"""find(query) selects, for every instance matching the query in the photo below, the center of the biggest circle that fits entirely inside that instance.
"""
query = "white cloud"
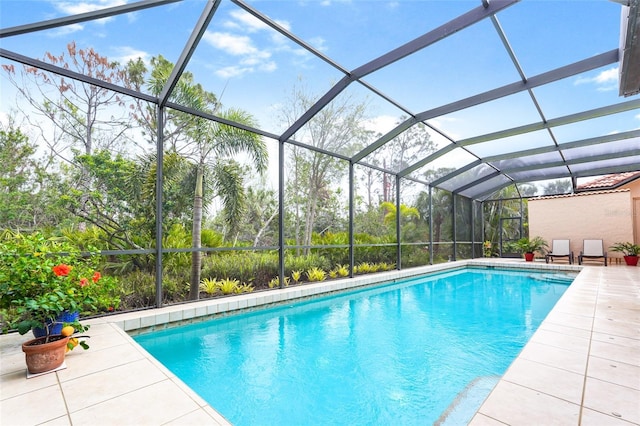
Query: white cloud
(233, 71)
(605, 80)
(246, 21)
(77, 7)
(251, 58)
(63, 31)
(232, 44)
(269, 66)
(126, 53)
(381, 124)
(238, 41)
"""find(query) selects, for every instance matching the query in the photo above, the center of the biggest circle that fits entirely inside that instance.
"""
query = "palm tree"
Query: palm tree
(211, 148)
(216, 146)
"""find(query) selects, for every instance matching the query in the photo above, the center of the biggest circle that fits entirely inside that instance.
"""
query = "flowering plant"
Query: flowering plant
(43, 278)
(486, 248)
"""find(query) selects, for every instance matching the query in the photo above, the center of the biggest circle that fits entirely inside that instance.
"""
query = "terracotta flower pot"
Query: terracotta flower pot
(41, 356)
(631, 260)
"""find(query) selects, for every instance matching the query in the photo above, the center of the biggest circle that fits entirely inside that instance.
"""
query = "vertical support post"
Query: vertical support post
(159, 189)
(482, 228)
(431, 225)
(351, 218)
(473, 229)
(521, 216)
(453, 225)
(398, 232)
(281, 214)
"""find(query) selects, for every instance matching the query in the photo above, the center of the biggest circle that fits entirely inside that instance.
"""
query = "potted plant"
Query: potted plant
(629, 250)
(44, 285)
(529, 246)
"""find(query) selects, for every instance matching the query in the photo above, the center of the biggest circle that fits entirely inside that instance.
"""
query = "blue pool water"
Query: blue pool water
(414, 352)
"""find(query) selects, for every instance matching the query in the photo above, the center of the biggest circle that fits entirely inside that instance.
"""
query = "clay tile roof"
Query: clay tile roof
(579, 194)
(609, 181)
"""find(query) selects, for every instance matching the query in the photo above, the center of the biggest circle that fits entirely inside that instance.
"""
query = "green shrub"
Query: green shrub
(246, 266)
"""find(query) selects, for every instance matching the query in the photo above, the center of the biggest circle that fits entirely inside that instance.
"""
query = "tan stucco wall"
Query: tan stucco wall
(634, 187)
(605, 215)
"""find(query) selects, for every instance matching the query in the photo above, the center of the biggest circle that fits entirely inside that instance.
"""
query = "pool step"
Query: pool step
(467, 402)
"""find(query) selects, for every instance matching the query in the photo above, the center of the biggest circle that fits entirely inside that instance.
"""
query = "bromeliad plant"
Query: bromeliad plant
(43, 278)
(626, 248)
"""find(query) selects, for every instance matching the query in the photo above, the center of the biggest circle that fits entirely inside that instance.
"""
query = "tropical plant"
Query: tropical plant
(316, 274)
(243, 288)
(526, 245)
(341, 270)
(228, 286)
(209, 285)
(296, 276)
(210, 147)
(626, 248)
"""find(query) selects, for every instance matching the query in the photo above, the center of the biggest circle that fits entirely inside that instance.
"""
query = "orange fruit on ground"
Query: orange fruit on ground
(67, 331)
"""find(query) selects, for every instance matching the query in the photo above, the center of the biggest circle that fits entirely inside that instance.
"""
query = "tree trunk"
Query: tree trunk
(264, 227)
(196, 256)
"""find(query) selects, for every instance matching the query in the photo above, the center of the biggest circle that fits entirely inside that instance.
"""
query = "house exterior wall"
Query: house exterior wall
(603, 215)
(634, 187)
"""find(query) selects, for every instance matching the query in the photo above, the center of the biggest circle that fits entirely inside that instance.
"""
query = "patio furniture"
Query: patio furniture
(559, 248)
(592, 249)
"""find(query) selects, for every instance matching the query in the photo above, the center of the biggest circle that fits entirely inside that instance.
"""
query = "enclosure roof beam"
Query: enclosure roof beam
(82, 17)
(567, 145)
(560, 121)
(545, 149)
(476, 182)
(586, 173)
(582, 66)
(463, 21)
(456, 173)
(195, 37)
(25, 60)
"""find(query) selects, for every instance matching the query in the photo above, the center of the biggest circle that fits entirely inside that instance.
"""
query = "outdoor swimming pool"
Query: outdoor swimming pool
(419, 351)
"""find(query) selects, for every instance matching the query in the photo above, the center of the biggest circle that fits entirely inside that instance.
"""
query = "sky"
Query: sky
(250, 66)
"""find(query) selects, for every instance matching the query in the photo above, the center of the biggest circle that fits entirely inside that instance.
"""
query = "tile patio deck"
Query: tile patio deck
(581, 367)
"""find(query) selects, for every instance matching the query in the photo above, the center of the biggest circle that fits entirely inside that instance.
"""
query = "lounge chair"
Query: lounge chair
(592, 249)
(559, 248)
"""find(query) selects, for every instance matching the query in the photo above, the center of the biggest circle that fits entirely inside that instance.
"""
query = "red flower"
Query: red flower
(62, 270)
(83, 282)
(110, 308)
(96, 276)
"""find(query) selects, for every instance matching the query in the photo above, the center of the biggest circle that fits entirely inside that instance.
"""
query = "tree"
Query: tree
(22, 179)
(210, 147)
(260, 224)
(83, 116)
(399, 153)
(80, 118)
(409, 218)
(313, 174)
(559, 186)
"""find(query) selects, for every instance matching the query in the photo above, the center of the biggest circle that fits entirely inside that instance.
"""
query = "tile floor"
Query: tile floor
(582, 366)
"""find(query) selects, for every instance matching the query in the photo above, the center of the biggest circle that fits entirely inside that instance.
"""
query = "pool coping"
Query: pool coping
(111, 337)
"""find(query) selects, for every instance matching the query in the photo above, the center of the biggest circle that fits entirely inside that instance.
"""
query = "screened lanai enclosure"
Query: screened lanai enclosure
(203, 148)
